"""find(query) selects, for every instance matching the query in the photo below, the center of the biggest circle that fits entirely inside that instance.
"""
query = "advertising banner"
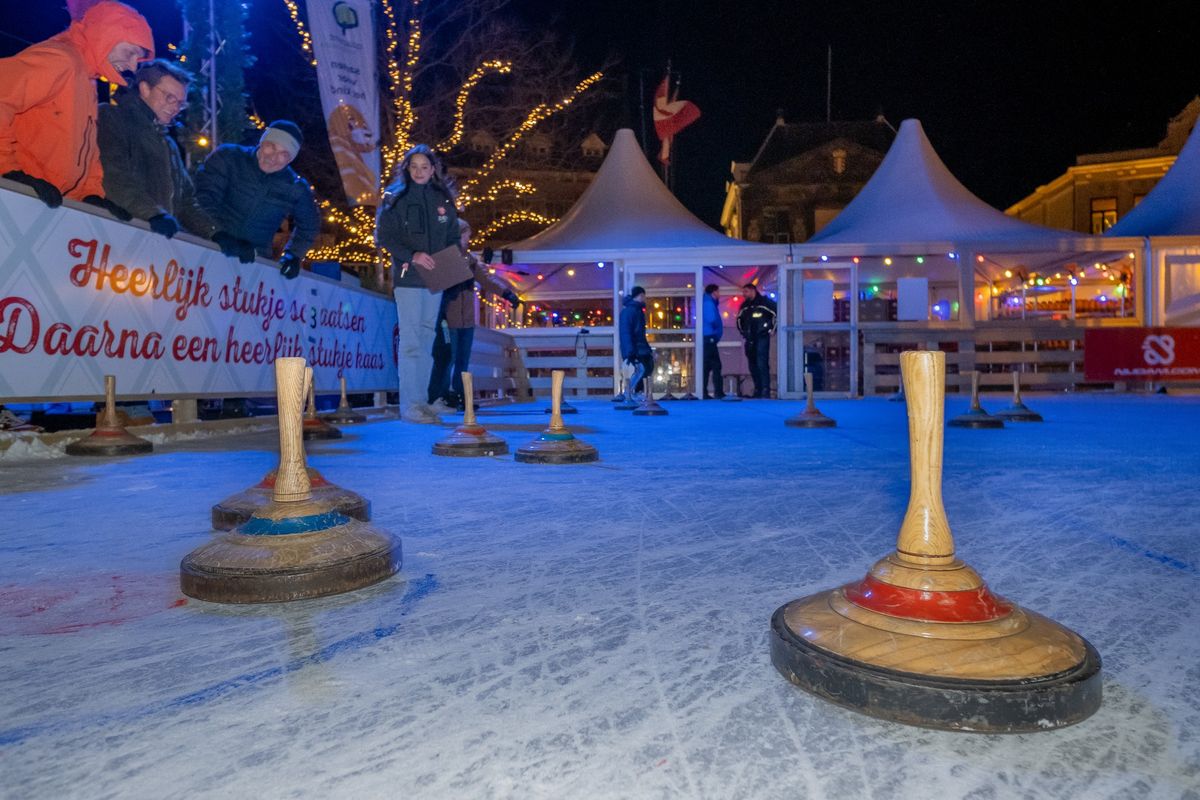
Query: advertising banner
(83, 296)
(343, 40)
(1142, 354)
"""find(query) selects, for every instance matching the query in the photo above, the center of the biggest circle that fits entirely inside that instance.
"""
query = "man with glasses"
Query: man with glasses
(143, 169)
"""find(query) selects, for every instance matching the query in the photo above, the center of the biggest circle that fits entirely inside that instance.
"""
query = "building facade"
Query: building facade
(1101, 188)
(802, 176)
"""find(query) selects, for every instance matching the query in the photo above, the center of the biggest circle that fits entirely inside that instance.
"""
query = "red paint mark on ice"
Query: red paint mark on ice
(659, 764)
(81, 602)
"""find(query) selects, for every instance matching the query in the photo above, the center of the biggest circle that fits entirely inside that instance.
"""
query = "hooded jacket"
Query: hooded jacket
(48, 98)
(634, 343)
(143, 170)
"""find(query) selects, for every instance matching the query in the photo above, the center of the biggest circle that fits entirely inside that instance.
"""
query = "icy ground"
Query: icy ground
(594, 631)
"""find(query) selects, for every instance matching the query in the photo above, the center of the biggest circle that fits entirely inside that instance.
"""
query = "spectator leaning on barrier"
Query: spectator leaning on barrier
(143, 170)
(249, 191)
(48, 103)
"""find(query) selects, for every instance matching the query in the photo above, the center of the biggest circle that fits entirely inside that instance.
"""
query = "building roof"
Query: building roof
(626, 207)
(788, 140)
(1172, 208)
(913, 197)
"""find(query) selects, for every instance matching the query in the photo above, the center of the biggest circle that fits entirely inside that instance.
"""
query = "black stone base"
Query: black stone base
(326, 432)
(344, 418)
(969, 420)
(1019, 415)
(91, 447)
(1017, 706)
(556, 456)
(278, 586)
(650, 412)
(810, 422)
(475, 450)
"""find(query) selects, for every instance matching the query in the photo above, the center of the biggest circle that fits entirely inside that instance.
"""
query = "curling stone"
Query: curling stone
(556, 444)
(731, 392)
(237, 508)
(295, 546)
(314, 427)
(470, 439)
(975, 416)
(649, 407)
(810, 417)
(345, 414)
(921, 639)
(567, 408)
(110, 437)
(1018, 411)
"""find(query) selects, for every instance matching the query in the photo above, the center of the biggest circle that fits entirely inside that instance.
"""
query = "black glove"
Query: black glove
(164, 225)
(511, 297)
(289, 265)
(109, 206)
(234, 247)
(47, 192)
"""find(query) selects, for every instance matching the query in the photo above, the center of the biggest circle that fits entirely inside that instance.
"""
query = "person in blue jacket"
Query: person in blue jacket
(714, 327)
(635, 347)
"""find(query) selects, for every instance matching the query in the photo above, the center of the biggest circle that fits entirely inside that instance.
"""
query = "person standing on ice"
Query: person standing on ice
(635, 347)
(416, 219)
(143, 170)
(714, 328)
(456, 328)
(48, 102)
(756, 323)
(250, 191)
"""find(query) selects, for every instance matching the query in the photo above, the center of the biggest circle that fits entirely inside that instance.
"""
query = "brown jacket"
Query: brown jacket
(458, 302)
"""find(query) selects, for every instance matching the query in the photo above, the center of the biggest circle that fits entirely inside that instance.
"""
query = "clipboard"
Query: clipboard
(450, 268)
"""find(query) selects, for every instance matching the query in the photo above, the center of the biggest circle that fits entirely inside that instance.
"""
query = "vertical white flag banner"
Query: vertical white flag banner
(343, 39)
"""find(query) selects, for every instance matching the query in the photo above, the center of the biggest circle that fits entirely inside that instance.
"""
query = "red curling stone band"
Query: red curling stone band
(971, 605)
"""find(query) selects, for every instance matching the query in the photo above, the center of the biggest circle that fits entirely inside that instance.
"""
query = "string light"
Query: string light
(464, 94)
(305, 37)
(511, 218)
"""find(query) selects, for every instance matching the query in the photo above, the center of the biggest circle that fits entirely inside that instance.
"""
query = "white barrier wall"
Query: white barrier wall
(83, 296)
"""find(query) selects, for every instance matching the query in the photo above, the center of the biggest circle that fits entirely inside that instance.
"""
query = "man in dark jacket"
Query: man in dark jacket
(714, 327)
(635, 347)
(756, 323)
(249, 191)
(143, 170)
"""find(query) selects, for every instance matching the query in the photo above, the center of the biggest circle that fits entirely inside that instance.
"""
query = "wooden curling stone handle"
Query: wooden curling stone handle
(1016, 388)
(808, 380)
(468, 399)
(110, 402)
(975, 390)
(292, 378)
(556, 387)
(345, 401)
(925, 536)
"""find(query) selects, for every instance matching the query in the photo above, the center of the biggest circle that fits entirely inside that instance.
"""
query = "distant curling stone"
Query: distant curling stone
(238, 508)
(345, 414)
(810, 417)
(921, 639)
(976, 417)
(295, 546)
(110, 437)
(556, 444)
(649, 407)
(470, 439)
(625, 403)
(1018, 411)
(567, 408)
(731, 392)
(314, 426)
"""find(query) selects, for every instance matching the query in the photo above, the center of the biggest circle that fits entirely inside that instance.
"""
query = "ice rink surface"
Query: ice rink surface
(594, 631)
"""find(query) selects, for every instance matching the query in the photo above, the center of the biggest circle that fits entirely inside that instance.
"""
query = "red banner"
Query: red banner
(1142, 354)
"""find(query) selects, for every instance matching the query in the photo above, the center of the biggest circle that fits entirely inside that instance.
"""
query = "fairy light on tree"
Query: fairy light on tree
(404, 55)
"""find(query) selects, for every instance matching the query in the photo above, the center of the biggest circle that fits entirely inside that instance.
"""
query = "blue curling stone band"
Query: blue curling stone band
(261, 526)
(556, 437)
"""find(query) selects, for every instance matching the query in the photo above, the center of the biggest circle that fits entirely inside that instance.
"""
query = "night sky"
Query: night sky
(1009, 93)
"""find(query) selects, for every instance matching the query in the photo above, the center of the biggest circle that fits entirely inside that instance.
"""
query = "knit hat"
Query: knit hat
(635, 291)
(285, 134)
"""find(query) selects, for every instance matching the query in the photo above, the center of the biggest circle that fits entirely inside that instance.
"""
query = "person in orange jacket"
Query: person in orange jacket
(48, 103)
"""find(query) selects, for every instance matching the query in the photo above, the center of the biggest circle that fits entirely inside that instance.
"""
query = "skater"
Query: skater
(416, 219)
(249, 191)
(756, 323)
(143, 170)
(714, 328)
(635, 347)
(48, 103)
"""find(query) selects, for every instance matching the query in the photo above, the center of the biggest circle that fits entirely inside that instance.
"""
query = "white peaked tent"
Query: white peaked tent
(1172, 207)
(1169, 220)
(915, 201)
(627, 228)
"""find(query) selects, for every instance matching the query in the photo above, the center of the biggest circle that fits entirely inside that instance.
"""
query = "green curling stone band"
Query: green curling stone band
(262, 526)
